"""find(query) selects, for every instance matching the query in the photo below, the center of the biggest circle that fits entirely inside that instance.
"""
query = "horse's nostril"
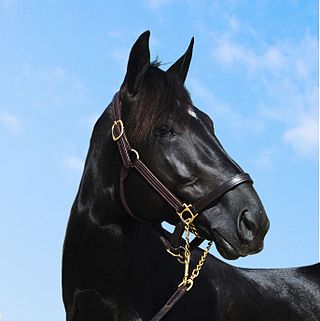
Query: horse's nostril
(247, 227)
(246, 222)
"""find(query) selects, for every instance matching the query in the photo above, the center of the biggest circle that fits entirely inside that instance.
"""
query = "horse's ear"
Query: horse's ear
(181, 66)
(138, 63)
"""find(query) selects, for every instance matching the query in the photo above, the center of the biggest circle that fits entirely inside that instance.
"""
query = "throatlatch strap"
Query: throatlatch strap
(124, 172)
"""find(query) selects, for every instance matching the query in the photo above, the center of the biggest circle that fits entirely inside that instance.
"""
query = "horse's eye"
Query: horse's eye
(164, 130)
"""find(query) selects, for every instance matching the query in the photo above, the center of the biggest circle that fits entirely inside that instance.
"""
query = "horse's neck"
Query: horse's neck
(97, 192)
(124, 253)
(98, 204)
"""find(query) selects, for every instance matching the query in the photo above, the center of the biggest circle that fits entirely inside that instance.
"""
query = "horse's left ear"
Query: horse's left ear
(139, 60)
(181, 66)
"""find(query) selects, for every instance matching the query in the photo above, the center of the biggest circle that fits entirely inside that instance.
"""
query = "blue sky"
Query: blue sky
(254, 71)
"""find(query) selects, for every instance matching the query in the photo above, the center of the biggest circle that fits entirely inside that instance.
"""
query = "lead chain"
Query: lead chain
(188, 280)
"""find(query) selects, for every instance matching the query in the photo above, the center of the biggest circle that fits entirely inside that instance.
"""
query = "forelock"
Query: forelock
(161, 95)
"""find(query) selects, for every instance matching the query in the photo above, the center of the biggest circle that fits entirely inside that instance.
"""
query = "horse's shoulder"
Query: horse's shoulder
(90, 305)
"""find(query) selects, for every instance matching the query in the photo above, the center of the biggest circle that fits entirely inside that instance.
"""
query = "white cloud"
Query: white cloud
(11, 122)
(230, 53)
(283, 58)
(221, 109)
(287, 71)
(304, 137)
(74, 163)
(266, 158)
(275, 59)
(198, 89)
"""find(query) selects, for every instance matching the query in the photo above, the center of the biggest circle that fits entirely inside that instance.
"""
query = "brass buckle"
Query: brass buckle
(116, 123)
(187, 209)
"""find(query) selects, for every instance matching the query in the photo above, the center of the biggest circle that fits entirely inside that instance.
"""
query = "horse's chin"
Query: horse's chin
(225, 248)
(228, 251)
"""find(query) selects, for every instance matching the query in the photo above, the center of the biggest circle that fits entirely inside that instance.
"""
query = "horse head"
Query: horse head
(177, 142)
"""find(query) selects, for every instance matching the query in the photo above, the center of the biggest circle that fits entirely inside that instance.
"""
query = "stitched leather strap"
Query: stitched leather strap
(225, 187)
(124, 172)
(175, 298)
(157, 184)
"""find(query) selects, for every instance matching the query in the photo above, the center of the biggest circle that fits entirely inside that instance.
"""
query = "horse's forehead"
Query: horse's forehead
(191, 112)
(189, 109)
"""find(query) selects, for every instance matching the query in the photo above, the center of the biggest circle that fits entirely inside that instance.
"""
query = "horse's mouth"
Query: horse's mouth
(225, 248)
(228, 251)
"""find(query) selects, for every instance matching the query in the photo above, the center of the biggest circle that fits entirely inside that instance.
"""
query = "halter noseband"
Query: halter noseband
(186, 212)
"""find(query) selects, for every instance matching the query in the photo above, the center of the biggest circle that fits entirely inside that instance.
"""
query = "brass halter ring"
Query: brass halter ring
(186, 215)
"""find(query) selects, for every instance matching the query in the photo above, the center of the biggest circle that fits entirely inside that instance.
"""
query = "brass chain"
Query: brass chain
(203, 257)
(188, 280)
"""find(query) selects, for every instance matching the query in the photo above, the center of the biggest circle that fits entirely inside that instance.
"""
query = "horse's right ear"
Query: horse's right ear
(138, 63)
(181, 66)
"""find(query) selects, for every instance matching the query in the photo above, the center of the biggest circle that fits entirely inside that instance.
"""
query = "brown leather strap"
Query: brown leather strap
(226, 186)
(177, 234)
(157, 185)
(176, 238)
(175, 298)
(124, 172)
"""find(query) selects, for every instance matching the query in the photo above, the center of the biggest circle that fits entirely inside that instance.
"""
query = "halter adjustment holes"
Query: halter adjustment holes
(164, 130)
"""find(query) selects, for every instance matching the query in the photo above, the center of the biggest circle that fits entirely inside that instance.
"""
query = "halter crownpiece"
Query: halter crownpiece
(186, 212)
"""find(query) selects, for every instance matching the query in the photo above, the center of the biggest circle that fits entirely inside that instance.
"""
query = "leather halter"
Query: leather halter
(187, 212)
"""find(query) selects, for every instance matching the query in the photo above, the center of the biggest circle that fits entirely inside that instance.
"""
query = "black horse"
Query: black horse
(115, 260)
